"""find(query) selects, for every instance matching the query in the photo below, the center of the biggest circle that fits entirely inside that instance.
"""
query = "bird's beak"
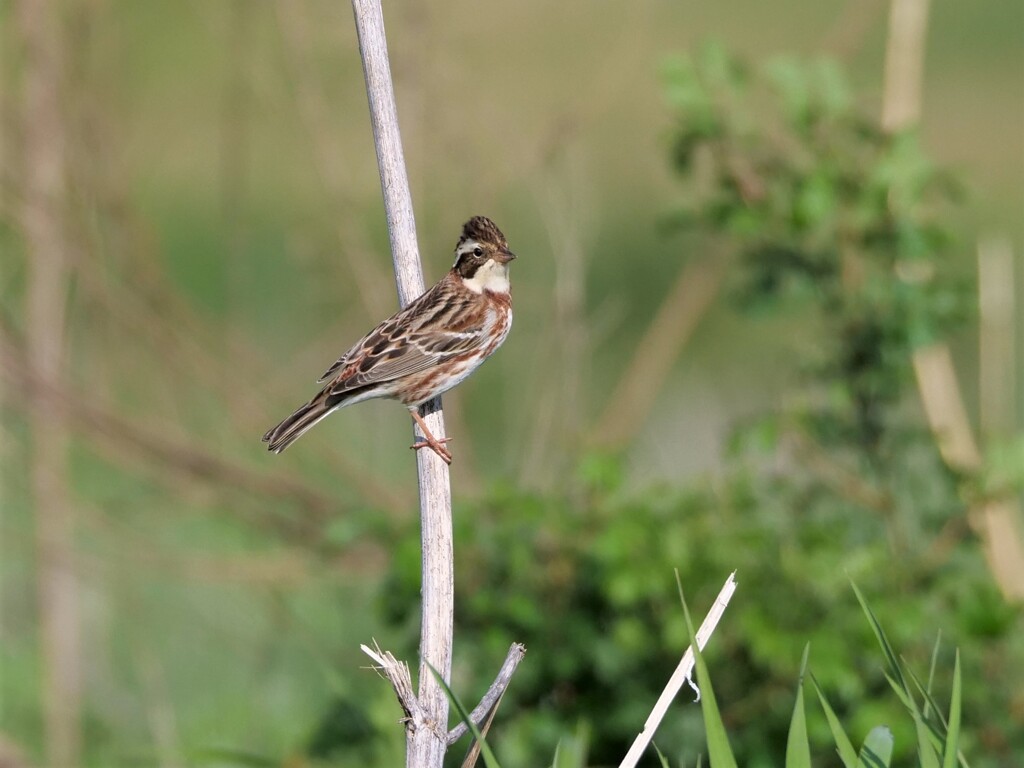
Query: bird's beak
(504, 256)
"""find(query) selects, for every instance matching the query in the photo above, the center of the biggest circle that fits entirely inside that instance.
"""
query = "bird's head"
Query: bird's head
(482, 257)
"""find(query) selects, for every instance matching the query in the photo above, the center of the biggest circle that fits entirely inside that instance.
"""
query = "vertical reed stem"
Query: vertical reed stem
(426, 742)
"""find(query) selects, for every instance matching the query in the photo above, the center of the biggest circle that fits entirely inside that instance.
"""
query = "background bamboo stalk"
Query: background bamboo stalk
(427, 741)
(997, 364)
(999, 518)
(995, 520)
(44, 229)
(944, 407)
(904, 64)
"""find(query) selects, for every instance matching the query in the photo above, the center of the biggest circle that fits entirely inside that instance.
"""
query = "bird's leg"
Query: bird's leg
(429, 441)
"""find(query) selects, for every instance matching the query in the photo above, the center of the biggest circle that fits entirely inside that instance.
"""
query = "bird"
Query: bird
(425, 349)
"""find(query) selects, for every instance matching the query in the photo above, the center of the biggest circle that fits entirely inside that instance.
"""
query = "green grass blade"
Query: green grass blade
(843, 744)
(949, 754)
(877, 749)
(927, 755)
(719, 751)
(927, 752)
(931, 678)
(890, 656)
(930, 705)
(661, 758)
(901, 693)
(936, 730)
(798, 748)
(489, 759)
(571, 751)
(927, 738)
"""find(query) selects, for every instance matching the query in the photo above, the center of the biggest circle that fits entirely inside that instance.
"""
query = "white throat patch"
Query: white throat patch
(491, 276)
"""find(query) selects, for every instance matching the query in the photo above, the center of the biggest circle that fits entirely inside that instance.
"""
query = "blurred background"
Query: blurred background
(765, 320)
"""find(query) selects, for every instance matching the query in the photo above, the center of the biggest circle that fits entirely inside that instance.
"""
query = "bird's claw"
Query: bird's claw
(437, 446)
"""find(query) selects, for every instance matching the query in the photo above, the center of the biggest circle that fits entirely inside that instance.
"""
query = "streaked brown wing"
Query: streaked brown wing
(432, 329)
(409, 355)
(381, 336)
(378, 336)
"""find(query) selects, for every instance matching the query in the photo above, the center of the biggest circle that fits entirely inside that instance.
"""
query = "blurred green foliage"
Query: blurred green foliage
(585, 581)
(937, 728)
(843, 481)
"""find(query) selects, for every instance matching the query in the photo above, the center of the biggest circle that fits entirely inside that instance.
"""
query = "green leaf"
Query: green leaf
(843, 744)
(926, 752)
(931, 676)
(661, 758)
(798, 749)
(938, 731)
(927, 755)
(556, 761)
(895, 672)
(489, 759)
(929, 700)
(949, 754)
(927, 733)
(901, 693)
(815, 200)
(788, 78)
(719, 751)
(832, 89)
(877, 749)
(571, 751)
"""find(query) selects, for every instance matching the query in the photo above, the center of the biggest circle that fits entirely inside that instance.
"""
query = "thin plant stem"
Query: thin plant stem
(426, 737)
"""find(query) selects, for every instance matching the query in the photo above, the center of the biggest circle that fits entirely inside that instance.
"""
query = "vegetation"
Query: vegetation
(222, 209)
(937, 731)
(843, 481)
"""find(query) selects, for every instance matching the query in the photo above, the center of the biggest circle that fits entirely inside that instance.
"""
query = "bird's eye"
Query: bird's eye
(478, 251)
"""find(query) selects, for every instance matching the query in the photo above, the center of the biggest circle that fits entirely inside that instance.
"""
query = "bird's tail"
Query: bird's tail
(300, 422)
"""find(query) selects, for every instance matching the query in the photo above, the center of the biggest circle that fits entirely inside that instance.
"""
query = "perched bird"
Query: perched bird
(426, 348)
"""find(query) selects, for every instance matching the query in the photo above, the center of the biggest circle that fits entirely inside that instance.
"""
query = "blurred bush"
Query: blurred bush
(586, 583)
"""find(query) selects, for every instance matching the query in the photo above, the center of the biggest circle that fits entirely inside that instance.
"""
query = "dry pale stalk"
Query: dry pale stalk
(484, 711)
(426, 737)
(997, 358)
(682, 675)
(426, 719)
(44, 229)
(995, 520)
(904, 64)
(998, 519)
(397, 673)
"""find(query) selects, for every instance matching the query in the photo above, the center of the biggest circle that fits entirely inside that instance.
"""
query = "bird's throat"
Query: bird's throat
(491, 276)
